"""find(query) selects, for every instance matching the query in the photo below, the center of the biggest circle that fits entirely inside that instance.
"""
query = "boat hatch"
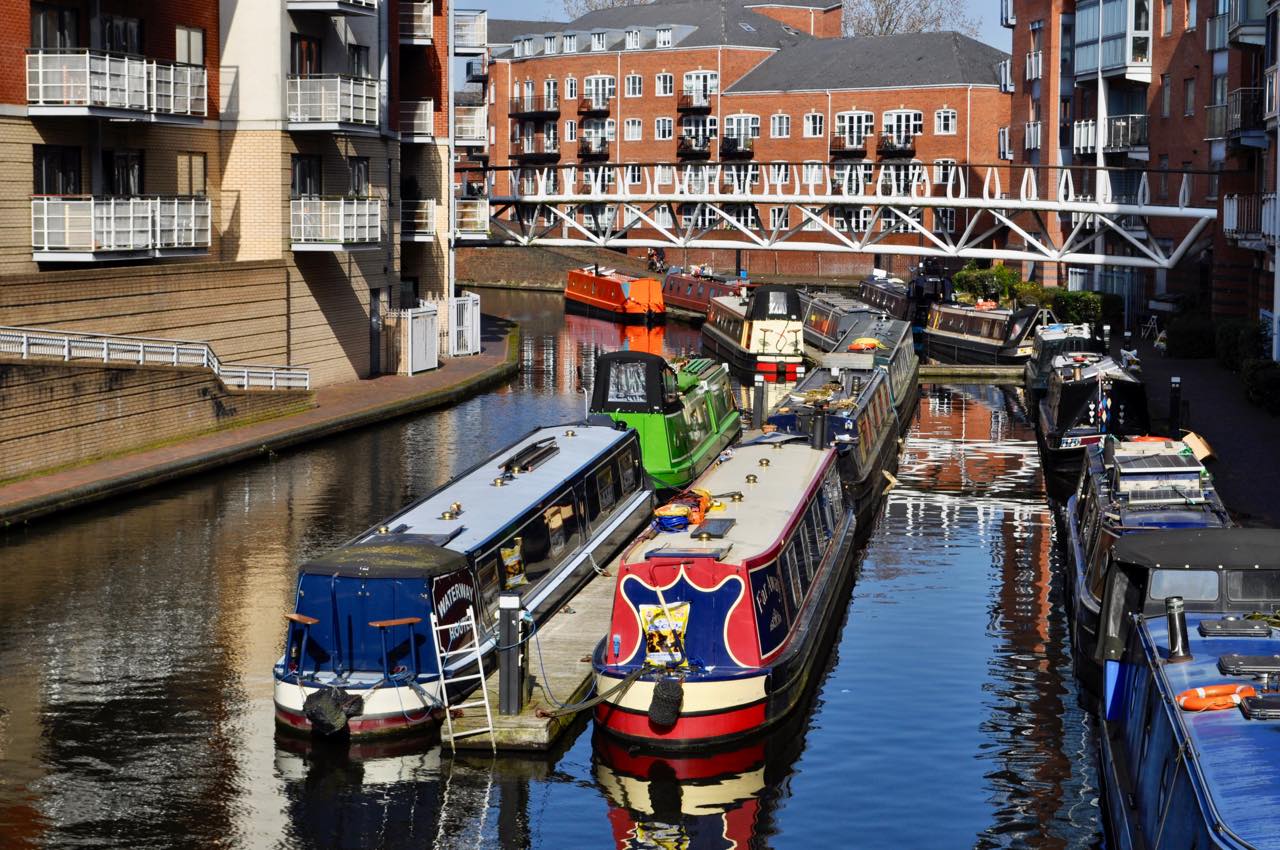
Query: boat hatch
(1233, 664)
(531, 456)
(687, 553)
(1160, 479)
(1234, 627)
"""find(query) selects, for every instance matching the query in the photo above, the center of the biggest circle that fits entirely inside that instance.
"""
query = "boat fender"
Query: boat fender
(1214, 697)
(329, 708)
(664, 705)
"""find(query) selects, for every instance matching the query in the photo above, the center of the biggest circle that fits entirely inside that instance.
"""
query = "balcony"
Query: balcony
(1250, 220)
(83, 228)
(417, 22)
(1084, 136)
(1004, 71)
(113, 85)
(737, 147)
(593, 147)
(1270, 96)
(364, 8)
(694, 100)
(1215, 34)
(534, 149)
(1245, 122)
(1035, 65)
(594, 105)
(1117, 48)
(694, 147)
(335, 224)
(1246, 22)
(417, 121)
(1031, 135)
(535, 105)
(1270, 218)
(1008, 18)
(332, 103)
(417, 221)
(470, 126)
(477, 70)
(896, 145)
(1125, 134)
(470, 32)
(848, 144)
(471, 218)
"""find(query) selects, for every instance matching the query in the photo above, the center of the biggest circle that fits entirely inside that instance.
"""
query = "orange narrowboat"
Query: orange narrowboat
(612, 295)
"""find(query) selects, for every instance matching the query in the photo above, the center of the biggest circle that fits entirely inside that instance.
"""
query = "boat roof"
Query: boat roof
(896, 284)
(1061, 330)
(843, 390)
(877, 325)
(612, 274)
(766, 509)
(1093, 366)
(1202, 549)
(1002, 312)
(837, 300)
(1238, 758)
(487, 509)
(389, 556)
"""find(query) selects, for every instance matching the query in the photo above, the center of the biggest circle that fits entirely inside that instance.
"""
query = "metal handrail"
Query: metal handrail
(470, 28)
(43, 343)
(332, 99)
(534, 103)
(98, 78)
(418, 216)
(99, 223)
(1245, 109)
(416, 19)
(320, 220)
(470, 123)
(417, 117)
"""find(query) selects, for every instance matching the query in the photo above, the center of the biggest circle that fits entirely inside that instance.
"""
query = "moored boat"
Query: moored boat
(718, 627)
(360, 648)
(1050, 341)
(684, 411)
(761, 333)
(691, 289)
(888, 341)
(613, 295)
(828, 317)
(981, 334)
(889, 294)
(1089, 397)
(1190, 743)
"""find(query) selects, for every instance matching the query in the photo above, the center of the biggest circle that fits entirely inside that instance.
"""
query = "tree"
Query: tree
(890, 17)
(578, 8)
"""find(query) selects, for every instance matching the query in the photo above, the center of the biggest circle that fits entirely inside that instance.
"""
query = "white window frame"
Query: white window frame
(944, 220)
(549, 45)
(902, 124)
(189, 41)
(633, 39)
(591, 87)
(634, 174)
(570, 88)
(664, 127)
(701, 82)
(664, 85)
(599, 41)
(570, 131)
(633, 130)
(945, 122)
(570, 43)
(779, 173)
(811, 173)
(633, 85)
(856, 125)
(662, 216)
(664, 175)
(663, 37)
(780, 126)
(942, 169)
(815, 125)
(733, 126)
(779, 218)
(809, 223)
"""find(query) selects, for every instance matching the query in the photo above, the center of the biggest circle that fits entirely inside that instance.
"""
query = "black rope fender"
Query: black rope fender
(621, 689)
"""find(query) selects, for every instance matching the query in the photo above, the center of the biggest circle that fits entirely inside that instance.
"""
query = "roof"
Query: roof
(388, 556)
(505, 30)
(1215, 548)
(866, 62)
(794, 4)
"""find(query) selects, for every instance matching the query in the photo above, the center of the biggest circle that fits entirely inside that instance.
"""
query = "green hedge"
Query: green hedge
(1191, 336)
(1237, 341)
(1261, 378)
(1000, 282)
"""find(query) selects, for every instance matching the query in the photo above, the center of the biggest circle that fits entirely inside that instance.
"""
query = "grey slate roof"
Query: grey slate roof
(891, 61)
(505, 30)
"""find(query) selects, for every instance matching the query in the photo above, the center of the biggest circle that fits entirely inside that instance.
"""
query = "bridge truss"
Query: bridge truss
(875, 208)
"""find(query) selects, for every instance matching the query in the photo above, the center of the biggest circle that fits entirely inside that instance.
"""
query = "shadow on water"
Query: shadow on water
(136, 642)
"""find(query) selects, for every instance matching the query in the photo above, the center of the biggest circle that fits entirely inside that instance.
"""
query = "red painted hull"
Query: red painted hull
(628, 298)
(362, 726)
(700, 729)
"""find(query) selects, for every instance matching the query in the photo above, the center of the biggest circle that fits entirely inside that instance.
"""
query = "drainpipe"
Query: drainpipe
(968, 140)
(451, 248)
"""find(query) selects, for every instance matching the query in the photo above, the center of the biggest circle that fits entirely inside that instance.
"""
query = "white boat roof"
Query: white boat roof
(1092, 365)
(487, 509)
(1058, 330)
(733, 302)
(766, 508)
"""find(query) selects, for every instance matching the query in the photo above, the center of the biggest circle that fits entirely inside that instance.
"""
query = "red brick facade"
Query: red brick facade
(814, 21)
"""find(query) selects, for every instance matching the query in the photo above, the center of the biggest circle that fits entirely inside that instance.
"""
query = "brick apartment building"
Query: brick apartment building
(1161, 88)
(267, 176)
(747, 86)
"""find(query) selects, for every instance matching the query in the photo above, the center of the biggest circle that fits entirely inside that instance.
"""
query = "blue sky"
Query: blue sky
(985, 10)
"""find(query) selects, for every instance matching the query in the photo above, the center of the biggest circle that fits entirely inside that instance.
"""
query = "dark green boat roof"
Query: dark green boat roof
(388, 556)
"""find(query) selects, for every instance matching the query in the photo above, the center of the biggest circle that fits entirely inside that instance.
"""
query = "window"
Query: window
(304, 55)
(549, 136)
(664, 85)
(854, 127)
(1166, 15)
(634, 85)
(944, 220)
(632, 130)
(780, 126)
(57, 170)
(122, 170)
(664, 37)
(571, 88)
(189, 45)
(663, 128)
(599, 88)
(903, 124)
(811, 221)
(517, 49)
(599, 40)
(1191, 14)
(192, 173)
(633, 39)
(944, 122)
(571, 131)
(698, 126)
(358, 171)
(663, 175)
(53, 27)
(740, 177)
(1189, 96)
(549, 45)
(1166, 96)
(570, 43)
(814, 125)
(550, 91)
(812, 173)
(779, 218)
(1192, 585)
(610, 129)
(701, 83)
(742, 126)
(358, 60)
(942, 171)
(121, 34)
(634, 175)
(662, 217)
(779, 173)
(304, 176)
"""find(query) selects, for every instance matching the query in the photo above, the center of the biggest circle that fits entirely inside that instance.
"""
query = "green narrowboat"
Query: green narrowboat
(684, 411)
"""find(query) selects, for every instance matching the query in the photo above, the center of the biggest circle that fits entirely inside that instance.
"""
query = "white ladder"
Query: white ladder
(442, 658)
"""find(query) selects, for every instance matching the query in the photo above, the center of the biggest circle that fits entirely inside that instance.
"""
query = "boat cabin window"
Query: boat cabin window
(1191, 585)
(1098, 560)
(626, 383)
(670, 394)
(777, 303)
(1261, 586)
(537, 544)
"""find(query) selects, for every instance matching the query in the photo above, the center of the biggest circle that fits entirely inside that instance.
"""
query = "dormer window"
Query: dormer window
(549, 45)
(570, 44)
(528, 47)
(517, 48)
(598, 40)
(664, 37)
(633, 39)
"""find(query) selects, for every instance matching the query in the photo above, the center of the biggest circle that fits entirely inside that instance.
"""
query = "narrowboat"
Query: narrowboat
(360, 648)
(889, 294)
(690, 290)
(1190, 737)
(719, 622)
(979, 335)
(761, 333)
(888, 342)
(828, 317)
(1126, 487)
(615, 296)
(684, 410)
(1049, 342)
(1089, 396)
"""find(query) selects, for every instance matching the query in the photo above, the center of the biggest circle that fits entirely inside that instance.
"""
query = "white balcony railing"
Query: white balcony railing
(1084, 136)
(335, 221)
(1004, 70)
(82, 225)
(416, 21)
(417, 119)
(471, 216)
(93, 79)
(470, 29)
(1035, 64)
(1031, 135)
(1249, 218)
(1271, 96)
(333, 99)
(470, 124)
(418, 220)
(1004, 149)
(1008, 17)
(1270, 218)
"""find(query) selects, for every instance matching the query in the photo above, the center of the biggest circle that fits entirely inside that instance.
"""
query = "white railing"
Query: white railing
(1084, 136)
(471, 216)
(335, 221)
(1004, 149)
(417, 218)
(1270, 218)
(464, 325)
(1125, 132)
(45, 344)
(416, 20)
(470, 28)
(1004, 70)
(1270, 96)
(470, 124)
(1031, 140)
(1085, 221)
(1077, 279)
(1242, 216)
(1035, 64)
(93, 78)
(333, 99)
(89, 224)
(417, 118)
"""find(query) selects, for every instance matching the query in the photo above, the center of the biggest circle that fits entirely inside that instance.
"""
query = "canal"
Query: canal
(137, 638)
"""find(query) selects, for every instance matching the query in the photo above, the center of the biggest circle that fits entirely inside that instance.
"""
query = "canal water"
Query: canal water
(137, 638)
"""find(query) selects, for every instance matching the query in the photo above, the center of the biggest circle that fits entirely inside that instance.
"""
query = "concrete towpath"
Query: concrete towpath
(338, 408)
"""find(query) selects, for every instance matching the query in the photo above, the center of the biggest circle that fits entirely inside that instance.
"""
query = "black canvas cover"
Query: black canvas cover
(633, 382)
(775, 302)
(1201, 548)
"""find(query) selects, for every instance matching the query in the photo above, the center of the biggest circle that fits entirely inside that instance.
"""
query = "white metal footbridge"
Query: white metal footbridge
(978, 212)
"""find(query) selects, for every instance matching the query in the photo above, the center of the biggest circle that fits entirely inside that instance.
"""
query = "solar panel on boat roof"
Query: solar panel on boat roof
(1166, 495)
(1156, 463)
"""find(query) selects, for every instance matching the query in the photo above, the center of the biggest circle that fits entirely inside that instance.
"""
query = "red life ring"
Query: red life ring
(1214, 697)
(1150, 438)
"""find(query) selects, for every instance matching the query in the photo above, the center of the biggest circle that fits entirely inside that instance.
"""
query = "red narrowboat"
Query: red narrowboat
(691, 290)
(613, 295)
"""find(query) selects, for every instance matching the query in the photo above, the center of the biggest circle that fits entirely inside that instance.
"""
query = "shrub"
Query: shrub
(997, 281)
(1239, 340)
(1074, 307)
(1191, 336)
(1262, 383)
(1030, 292)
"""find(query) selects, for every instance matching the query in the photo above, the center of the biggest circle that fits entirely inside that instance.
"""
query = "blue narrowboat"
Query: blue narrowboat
(1051, 341)
(828, 317)
(360, 648)
(1191, 728)
(1088, 398)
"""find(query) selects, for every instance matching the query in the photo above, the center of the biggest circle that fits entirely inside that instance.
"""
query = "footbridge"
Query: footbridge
(996, 212)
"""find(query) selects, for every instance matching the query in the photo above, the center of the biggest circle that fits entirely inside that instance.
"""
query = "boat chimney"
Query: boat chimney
(1178, 642)
(757, 404)
(818, 433)
(1106, 337)
(1075, 372)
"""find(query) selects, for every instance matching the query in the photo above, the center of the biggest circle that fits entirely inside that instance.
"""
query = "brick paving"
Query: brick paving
(339, 407)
